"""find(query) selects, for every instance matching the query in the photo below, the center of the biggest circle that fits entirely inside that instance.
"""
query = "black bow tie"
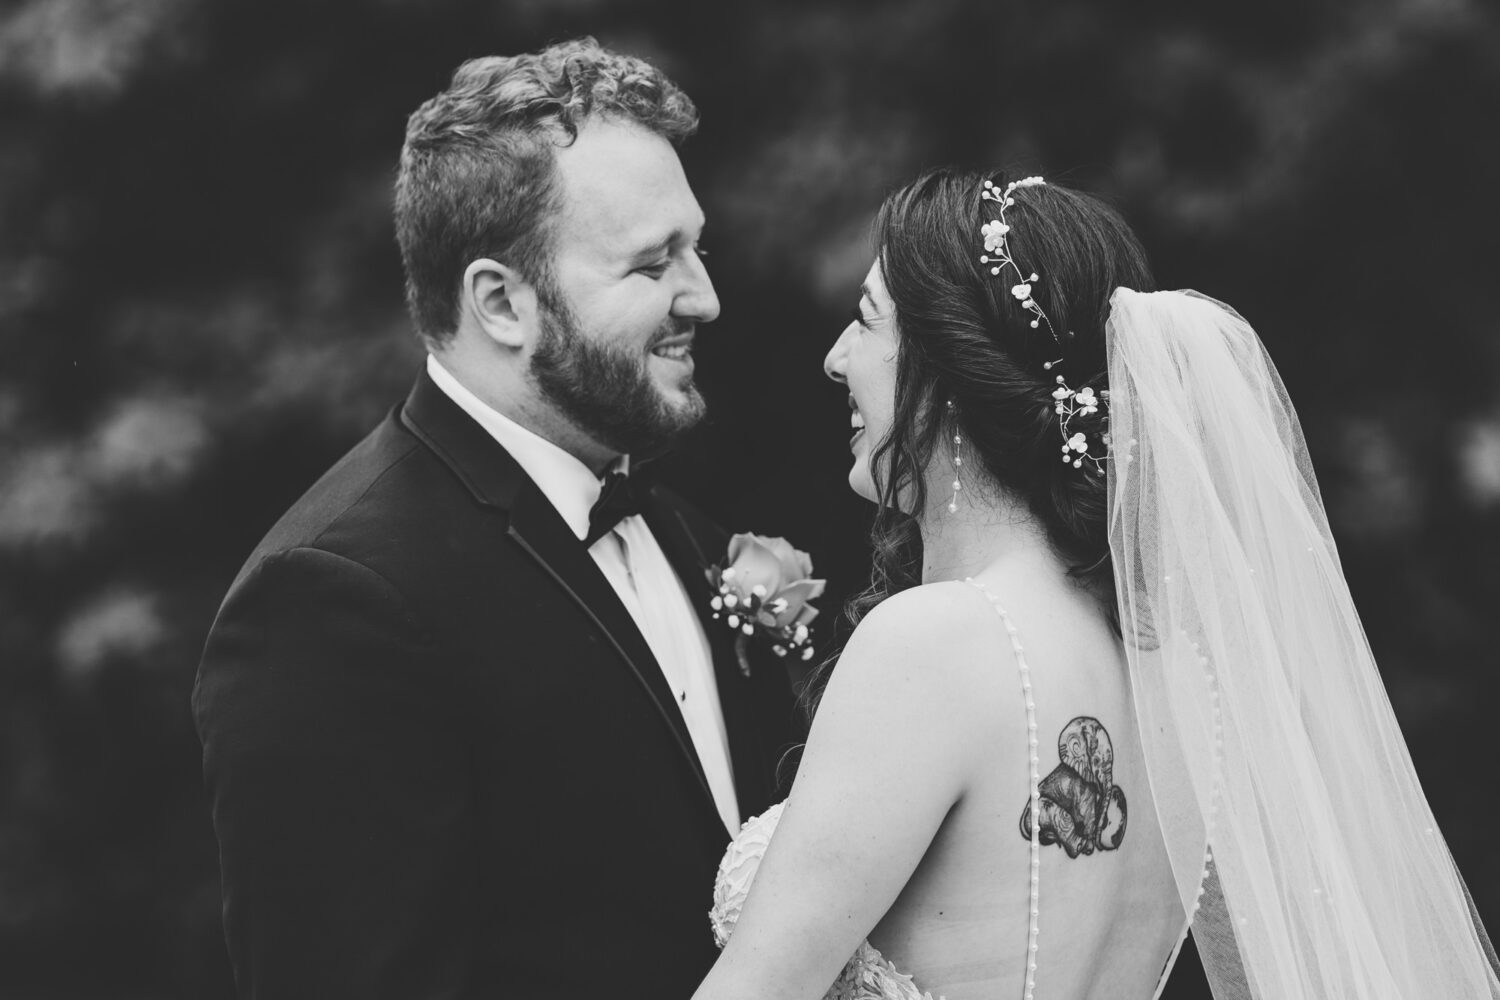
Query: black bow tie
(621, 497)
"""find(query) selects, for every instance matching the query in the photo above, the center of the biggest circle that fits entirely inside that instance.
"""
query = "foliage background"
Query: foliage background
(200, 309)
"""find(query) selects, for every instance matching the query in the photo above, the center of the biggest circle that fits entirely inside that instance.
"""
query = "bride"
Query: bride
(1110, 684)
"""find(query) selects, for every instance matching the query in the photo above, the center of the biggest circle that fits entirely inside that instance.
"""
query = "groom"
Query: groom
(468, 728)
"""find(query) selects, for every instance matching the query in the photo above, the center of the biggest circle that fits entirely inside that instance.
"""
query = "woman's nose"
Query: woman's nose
(835, 362)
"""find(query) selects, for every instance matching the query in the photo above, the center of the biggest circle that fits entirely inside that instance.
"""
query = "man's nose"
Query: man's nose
(698, 301)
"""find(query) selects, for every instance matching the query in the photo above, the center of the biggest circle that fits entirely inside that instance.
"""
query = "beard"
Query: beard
(608, 392)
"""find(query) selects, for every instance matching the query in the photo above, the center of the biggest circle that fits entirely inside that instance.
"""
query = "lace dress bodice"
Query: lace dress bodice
(866, 976)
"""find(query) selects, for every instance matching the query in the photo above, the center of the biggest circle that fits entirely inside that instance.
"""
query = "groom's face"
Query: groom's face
(615, 350)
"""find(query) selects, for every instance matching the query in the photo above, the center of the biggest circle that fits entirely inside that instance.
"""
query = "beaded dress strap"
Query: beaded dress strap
(1036, 782)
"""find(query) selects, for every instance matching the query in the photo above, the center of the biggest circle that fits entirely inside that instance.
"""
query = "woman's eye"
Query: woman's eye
(856, 317)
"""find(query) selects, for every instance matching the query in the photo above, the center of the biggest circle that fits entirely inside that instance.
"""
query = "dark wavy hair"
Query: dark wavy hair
(477, 175)
(964, 337)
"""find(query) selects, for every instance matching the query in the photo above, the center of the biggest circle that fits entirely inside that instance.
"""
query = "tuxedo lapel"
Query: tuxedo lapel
(540, 530)
(498, 481)
(753, 779)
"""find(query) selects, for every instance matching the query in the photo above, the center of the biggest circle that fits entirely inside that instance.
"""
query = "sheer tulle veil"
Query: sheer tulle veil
(1303, 847)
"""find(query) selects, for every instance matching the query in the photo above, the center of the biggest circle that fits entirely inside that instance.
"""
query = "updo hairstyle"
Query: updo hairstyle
(964, 337)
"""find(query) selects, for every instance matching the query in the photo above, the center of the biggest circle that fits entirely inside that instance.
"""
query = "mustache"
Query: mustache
(673, 327)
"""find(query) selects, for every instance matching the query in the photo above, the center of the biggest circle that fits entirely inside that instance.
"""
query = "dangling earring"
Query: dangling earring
(958, 462)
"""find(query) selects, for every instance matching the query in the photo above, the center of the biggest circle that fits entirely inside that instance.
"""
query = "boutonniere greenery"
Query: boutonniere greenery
(764, 589)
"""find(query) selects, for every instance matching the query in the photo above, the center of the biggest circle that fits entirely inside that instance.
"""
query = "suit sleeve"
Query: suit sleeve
(339, 787)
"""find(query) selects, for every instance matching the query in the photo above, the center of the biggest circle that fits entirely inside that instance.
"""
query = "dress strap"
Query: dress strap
(1036, 783)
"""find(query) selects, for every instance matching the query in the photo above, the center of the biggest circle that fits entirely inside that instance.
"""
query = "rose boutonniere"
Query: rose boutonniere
(764, 590)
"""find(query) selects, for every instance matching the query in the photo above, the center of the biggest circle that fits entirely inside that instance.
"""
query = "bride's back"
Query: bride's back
(1108, 918)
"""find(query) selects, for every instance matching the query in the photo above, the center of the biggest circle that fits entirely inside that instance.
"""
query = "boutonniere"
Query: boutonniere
(764, 589)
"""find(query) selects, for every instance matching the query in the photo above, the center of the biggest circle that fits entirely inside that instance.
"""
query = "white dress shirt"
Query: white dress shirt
(640, 574)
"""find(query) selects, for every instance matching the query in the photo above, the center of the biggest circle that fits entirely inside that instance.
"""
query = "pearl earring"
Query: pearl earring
(958, 462)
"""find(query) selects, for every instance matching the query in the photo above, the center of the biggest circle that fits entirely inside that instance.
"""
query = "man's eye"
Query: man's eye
(654, 270)
(700, 251)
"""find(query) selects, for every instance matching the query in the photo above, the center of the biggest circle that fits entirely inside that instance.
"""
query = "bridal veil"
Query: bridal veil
(1303, 847)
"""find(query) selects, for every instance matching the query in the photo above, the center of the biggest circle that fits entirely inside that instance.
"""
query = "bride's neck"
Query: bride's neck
(981, 533)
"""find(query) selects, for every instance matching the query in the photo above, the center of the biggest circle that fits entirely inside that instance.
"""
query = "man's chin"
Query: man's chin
(676, 413)
(684, 402)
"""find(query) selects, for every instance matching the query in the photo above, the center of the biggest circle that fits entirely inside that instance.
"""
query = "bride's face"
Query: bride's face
(864, 359)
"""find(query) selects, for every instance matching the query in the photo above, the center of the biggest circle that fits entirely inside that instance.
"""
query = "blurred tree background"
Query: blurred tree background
(200, 310)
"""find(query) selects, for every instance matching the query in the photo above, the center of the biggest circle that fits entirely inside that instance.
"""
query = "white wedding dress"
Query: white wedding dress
(866, 976)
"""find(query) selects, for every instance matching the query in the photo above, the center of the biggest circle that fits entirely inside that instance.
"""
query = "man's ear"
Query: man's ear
(501, 303)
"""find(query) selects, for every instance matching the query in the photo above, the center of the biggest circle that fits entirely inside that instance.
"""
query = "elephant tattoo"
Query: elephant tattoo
(1080, 806)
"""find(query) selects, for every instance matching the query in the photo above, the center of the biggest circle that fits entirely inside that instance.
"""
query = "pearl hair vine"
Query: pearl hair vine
(1068, 403)
(994, 233)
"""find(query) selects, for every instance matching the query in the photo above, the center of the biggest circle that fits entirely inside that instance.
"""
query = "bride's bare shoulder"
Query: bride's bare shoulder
(932, 643)
(916, 691)
(934, 616)
(948, 639)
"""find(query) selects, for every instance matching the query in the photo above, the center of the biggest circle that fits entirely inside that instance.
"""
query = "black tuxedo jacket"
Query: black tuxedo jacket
(442, 759)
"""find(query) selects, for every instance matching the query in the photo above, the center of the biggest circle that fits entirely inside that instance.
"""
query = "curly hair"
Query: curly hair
(963, 336)
(478, 172)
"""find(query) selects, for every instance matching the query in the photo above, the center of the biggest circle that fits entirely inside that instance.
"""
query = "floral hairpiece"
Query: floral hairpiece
(1083, 403)
(994, 233)
(1069, 403)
